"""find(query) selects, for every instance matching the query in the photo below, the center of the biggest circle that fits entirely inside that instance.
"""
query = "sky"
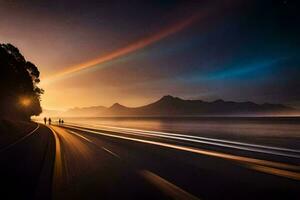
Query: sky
(134, 52)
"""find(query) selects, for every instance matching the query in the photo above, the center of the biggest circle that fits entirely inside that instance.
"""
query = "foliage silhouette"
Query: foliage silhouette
(20, 95)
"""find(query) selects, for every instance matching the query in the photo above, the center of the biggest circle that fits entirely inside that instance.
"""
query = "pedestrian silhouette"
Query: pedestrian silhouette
(45, 120)
(49, 121)
(62, 121)
(59, 121)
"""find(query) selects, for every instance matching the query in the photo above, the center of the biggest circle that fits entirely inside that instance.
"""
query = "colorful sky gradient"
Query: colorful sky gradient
(133, 52)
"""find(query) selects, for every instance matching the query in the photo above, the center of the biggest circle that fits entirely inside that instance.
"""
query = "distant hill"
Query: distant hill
(50, 113)
(174, 106)
(92, 111)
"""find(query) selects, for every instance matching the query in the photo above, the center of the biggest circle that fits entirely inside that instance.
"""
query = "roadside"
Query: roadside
(11, 131)
(26, 160)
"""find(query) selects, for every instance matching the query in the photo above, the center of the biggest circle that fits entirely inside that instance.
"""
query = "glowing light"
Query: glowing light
(25, 101)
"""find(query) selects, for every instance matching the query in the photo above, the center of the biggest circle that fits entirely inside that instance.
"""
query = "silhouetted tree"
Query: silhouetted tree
(20, 95)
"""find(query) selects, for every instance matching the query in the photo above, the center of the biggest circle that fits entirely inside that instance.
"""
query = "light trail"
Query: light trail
(270, 167)
(204, 140)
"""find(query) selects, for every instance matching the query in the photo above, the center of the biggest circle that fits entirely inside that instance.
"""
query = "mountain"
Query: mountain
(174, 106)
(52, 113)
(93, 111)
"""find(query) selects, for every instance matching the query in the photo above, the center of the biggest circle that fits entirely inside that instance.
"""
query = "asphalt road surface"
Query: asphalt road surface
(75, 162)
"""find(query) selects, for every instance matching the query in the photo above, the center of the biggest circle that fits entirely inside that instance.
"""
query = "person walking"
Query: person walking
(59, 121)
(45, 120)
(49, 121)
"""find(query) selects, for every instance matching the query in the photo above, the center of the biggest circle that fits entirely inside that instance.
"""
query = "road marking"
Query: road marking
(112, 153)
(85, 138)
(105, 149)
(166, 187)
(21, 139)
(58, 172)
(240, 159)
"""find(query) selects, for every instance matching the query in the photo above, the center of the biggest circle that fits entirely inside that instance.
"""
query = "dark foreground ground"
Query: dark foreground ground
(26, 160)
(11, 131)
(75, 163)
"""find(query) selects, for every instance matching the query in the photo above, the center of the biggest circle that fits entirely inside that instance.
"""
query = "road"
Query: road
(114, 163)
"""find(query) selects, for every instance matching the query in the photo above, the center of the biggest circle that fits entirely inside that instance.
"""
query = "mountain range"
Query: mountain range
(173, 106)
